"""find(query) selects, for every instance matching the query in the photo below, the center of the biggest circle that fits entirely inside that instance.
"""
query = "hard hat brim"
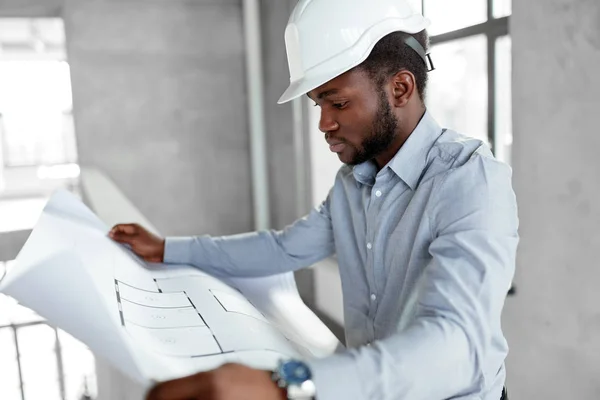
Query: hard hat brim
(301, 87)
(345, 62)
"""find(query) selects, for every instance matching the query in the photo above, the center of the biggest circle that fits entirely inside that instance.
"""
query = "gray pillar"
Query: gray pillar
(279, 121)
(553, 324)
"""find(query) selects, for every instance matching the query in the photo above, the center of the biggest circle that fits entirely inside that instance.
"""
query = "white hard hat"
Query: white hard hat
(325, 38)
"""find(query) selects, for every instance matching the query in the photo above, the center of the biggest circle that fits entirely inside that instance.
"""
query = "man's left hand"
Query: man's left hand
(229, 382)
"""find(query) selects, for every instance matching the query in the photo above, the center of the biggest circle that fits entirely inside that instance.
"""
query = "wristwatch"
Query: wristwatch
(296, 378)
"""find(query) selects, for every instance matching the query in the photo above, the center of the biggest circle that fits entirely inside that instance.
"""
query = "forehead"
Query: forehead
(351, 81)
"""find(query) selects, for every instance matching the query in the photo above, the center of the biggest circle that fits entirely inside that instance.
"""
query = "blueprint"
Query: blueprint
(153, 321)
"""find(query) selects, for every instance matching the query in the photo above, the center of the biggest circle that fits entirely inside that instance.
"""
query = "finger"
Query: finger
(122, 238)
(180, 389)
(128, 229)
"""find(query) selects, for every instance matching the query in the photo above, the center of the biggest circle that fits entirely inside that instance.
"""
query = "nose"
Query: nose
(327, 123)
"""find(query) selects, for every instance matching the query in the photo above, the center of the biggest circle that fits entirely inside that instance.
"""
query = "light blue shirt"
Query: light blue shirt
(426, 248)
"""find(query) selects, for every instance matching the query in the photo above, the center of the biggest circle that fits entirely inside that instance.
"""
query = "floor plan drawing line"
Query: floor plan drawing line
(213, 354)
(235, 305)
(146, 305)
(193, 305)
(211, 331)
(137, 288)
(119, 302)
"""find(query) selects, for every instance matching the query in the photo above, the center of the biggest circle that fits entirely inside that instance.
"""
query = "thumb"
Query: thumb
(122, 238)
(127, 229)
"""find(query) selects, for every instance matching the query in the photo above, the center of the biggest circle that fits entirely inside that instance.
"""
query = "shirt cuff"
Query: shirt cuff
(336, 377)
(178, 250)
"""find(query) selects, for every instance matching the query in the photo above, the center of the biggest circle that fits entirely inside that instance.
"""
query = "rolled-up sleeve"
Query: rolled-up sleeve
(448, 349)
(299, 245)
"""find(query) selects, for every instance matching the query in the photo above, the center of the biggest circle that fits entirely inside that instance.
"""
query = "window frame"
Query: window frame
(493, 28)
(57, 351)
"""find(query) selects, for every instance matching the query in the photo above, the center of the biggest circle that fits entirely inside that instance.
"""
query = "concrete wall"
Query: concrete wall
(553, 324)
(160, 106)
(278, 117)
(30, 8)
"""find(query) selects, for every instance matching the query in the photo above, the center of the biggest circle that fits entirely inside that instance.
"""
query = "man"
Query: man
(422, 219)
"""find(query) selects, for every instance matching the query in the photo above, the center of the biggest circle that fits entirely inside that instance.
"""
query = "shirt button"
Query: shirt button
(373, 297)
(369, 246)
(378, 193)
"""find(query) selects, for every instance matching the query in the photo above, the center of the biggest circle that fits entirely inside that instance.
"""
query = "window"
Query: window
(36, 122)
(470, 90)
(37, 137)
(457, 95)
(39, 361)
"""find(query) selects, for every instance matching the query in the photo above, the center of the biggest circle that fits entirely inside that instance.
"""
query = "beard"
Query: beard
(383, 133)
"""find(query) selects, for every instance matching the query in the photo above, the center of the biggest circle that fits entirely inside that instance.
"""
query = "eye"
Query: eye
(341, 105)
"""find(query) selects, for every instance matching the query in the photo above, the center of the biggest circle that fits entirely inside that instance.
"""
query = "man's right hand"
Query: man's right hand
(143, 243)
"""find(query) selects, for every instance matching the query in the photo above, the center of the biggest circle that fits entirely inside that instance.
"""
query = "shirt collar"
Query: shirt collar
(409, 162)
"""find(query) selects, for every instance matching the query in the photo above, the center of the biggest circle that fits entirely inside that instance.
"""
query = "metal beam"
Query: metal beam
(491, 78)
(494, 28)
(23, 325)
(14, 328)
(256, 114)
(60, 366)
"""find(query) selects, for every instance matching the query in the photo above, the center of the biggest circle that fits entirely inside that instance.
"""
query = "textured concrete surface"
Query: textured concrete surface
(30, 8)
(160, 106)
(553, 324)
(279, 125)
(278, 117)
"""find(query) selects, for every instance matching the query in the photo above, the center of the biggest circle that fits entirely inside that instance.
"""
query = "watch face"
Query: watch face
(295, 372)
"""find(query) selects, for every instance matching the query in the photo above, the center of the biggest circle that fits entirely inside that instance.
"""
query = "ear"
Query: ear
(404, 86)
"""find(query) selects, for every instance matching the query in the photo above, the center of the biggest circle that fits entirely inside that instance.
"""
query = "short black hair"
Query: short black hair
(391, 54)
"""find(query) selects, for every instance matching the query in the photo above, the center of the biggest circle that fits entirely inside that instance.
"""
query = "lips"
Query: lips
(335, 146)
